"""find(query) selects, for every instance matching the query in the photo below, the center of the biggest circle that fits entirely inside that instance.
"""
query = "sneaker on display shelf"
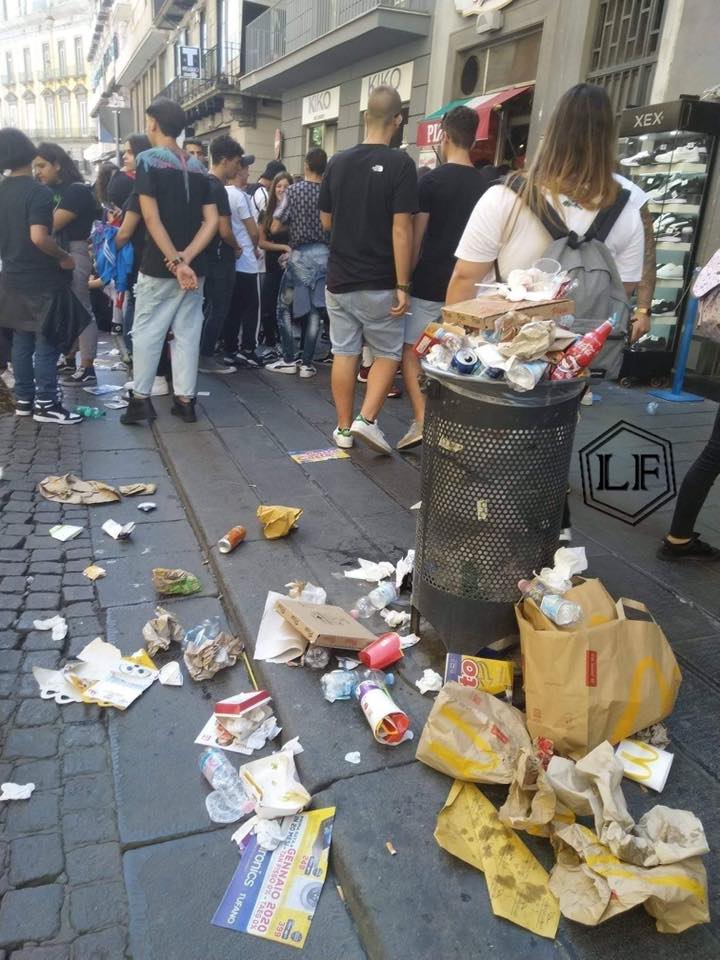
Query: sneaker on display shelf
(686, 153)
(669, 271)
(641, 159)
(663, 306)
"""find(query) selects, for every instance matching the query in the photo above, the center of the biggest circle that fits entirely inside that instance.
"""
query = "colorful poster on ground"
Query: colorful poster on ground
(273, 893)
(316, 456)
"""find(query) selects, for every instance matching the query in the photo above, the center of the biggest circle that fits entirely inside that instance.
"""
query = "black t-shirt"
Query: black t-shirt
(449, 195)
(218, 249)
(78, 199)
(25, 203)
(180, 184)
(363, 188)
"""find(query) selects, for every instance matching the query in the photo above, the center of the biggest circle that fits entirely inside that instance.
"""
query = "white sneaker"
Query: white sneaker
(307, 371)
(343, 438)
(670, 271)
(282, 366)
(689, 153)
(54, 413)
(412, 438)
(159, 388)
(371, 434)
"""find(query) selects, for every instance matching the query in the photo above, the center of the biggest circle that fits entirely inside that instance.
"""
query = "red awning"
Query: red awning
(429, 130)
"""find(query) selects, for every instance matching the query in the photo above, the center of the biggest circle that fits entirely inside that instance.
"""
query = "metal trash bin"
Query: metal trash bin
(495, 470)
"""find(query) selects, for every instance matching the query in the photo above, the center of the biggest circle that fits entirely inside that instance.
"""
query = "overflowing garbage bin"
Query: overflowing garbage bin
(494, 480)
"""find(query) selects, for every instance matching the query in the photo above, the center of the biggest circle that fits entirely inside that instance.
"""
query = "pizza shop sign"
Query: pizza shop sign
(399, 78)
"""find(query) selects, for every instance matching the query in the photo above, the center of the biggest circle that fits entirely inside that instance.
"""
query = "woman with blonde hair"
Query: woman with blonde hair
(570, 181)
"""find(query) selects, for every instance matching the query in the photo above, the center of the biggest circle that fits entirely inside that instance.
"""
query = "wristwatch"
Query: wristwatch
(643, 310)
(405, 287)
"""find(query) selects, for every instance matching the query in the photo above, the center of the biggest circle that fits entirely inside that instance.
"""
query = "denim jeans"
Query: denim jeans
(161, 305)
(34, 362)
(303, 284)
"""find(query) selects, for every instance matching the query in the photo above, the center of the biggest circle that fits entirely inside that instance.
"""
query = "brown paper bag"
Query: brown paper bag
(603, 679)
(471, 735)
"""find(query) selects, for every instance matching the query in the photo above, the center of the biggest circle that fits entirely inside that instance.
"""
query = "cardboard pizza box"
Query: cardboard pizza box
(324, 625)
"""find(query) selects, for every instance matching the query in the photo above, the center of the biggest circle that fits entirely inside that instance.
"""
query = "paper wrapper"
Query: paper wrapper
(278, 521)
(273, 783)
(470, 735)
(161, 631)
(205, 659)
(468, 827)
(170, 583)
(592, 885)
(531, 342)
(531, 803)
(137, 489)
(71, 489)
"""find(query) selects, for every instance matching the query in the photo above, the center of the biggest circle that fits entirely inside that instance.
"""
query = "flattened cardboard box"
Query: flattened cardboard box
(323, 625)
(482, 312)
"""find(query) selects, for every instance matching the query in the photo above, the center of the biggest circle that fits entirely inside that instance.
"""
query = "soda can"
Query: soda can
(465, 361)
(232, 538)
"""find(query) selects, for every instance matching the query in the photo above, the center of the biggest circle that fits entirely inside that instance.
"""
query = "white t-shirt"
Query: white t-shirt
(257, 202)
(485, 239)
(247, 262)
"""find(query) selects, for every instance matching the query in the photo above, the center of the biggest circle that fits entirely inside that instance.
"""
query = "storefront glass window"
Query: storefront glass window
(499, 65)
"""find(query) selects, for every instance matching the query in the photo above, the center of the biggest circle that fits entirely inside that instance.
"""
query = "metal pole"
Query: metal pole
(116, 114)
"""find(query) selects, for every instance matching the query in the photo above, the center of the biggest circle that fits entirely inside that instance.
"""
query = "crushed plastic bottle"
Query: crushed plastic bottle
(556, 608)
(376, 600)
(652, 408)
(317, 658)
(228, 802)
(341, 684)
(313, 594)
(90, 413)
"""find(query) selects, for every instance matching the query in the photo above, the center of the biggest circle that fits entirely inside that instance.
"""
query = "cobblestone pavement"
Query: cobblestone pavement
(60, 865)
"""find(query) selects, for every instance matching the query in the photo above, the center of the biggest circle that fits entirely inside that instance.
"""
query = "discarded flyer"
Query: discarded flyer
(102, 389)
(71, 489)
(117, 403)
(93, 572)
(16, 791)
(57, 624)
(277, 641)
(468, 827)
(274, 894)
(118, 531)
(64, 532)
(317, 456)
(136, 489)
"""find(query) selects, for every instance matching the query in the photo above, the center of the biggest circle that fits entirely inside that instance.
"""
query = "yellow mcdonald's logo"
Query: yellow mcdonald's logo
(463, 766)
(645, 763)
(627, 725)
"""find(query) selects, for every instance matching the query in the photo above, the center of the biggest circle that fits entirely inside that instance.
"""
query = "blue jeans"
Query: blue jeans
(34, 362)
(161, 305)
(303, 285)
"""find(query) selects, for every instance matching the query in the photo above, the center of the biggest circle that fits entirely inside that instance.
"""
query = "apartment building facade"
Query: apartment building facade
(43, 72)
(190, 51)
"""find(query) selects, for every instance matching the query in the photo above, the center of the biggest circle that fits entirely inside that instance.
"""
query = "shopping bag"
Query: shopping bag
(602, 679)
(471, 735)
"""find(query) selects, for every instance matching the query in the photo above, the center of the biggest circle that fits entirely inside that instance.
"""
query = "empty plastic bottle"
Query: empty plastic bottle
(652, 408)
(341, 684)
(90, 413)
(228, 802)
(376, 600)
(556, 608)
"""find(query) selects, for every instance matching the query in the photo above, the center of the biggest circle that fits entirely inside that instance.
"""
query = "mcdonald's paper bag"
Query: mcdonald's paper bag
(471, 735)
(602, 679)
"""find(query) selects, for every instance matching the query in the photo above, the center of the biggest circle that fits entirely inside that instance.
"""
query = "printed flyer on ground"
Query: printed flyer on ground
(273, 894)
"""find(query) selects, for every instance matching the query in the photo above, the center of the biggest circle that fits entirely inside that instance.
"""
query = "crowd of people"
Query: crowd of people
(225, 276)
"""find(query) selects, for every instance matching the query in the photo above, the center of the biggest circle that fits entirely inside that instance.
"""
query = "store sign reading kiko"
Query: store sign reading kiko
(321, 106)
(399, 78)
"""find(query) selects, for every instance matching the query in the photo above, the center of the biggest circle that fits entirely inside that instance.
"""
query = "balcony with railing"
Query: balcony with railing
(220, 71)
(294, 41)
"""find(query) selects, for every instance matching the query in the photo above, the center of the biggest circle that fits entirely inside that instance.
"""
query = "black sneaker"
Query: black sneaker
(663, 306)
(54, 412)
(694, 549)
(24, 408)
(65, 367)
(83, 377)
(249, 358)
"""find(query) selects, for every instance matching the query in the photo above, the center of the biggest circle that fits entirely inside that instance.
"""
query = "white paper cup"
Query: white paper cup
(644, 763)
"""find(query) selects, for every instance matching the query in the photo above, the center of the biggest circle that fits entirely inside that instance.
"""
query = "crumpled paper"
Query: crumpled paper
(468, 827)
(429, 682)
(370, 571)
(656, 735)
(273, 783)
(71, 489)
(395, 618)
(531, 803)
(171, 675)
(93, 572)
(57, 624)
(409, 640)
(135, 489)
(592, 787)
(567, 562)
(16, 791)
(169, 583)
(353, 756)
(161, 631)
(209, 649)
(592, 885)
(278, 521)
(531, 342)
(404, 568)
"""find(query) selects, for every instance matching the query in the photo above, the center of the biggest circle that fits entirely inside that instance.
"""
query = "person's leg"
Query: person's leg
(45, 363)
(231, 327)
(185, 346)
(422, 312)
(83, 268)
(383, 334)
(218, 296)
(382, 373)
(284, 318)
(270, 291)
(342, 382)
(250, 312)
(156, 302)
(22, 349)
(695, 488)
(312, 332)
(346, 337)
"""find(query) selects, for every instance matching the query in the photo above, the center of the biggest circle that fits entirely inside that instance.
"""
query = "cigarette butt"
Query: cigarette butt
(390, 849)
(340, 892)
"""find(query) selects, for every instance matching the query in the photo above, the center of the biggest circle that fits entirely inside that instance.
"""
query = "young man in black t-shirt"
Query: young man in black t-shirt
(181, 219)
(367, 200)
(225, 154)
(447, 197)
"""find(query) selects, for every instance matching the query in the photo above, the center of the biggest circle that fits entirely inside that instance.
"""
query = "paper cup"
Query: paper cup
(387, 721)
(382, 652)
(644, 763)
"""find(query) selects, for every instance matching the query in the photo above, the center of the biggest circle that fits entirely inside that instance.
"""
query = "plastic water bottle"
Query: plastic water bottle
(313, 594)
(228, 802)
(341, 684)
(652, 408)
(376, 600)
(556, 608)
(90, 413)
